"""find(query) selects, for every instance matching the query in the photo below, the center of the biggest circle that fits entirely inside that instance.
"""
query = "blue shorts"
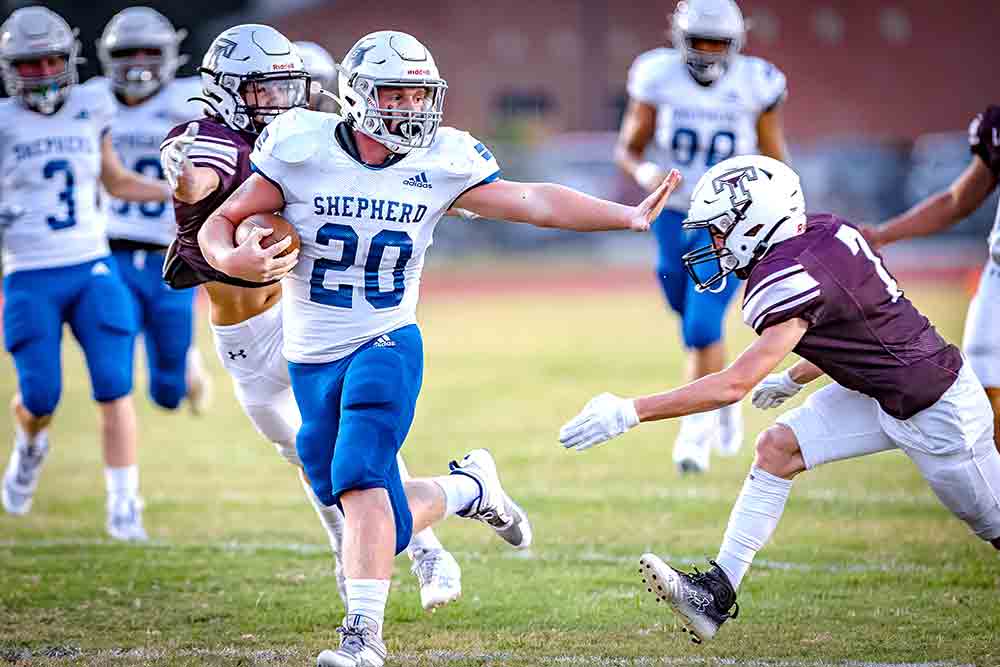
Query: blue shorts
(166, 321)
(93, 300)
(356, 412)
(702, 313)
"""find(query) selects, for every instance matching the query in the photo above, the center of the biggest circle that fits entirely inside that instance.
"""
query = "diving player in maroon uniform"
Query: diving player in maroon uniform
(814, 287)
(946, 208)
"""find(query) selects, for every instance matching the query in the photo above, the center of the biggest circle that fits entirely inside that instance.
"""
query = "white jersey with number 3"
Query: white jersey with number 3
(699, 126)
(364, 230)
(137, 132)
(50, 167)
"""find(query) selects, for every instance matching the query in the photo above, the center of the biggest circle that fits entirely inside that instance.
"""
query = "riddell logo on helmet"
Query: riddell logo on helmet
(283, 66)
(419, 72)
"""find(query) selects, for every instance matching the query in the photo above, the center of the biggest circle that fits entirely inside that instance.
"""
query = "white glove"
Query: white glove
(604, 417)
(774, 390)
(9, 213)
(649, 175)
(174, 157)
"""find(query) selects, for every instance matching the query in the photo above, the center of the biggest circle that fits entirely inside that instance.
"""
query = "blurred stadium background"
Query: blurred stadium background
(880, 93)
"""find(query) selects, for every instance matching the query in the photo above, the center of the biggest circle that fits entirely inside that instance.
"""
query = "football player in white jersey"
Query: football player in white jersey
(246, 67)
(54, 153)
(436, 569)
(944, 209)
(139, 54)
(365, 191)
(698, 104)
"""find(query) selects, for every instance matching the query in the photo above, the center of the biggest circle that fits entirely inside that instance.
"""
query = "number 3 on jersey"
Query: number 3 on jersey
(49, 171)
(342, 297)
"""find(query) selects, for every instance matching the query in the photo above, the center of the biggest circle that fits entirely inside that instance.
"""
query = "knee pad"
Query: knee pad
(40, 398)
(314, 452)
(278, 422)
(971, 490)
(167, 393)
(701, 330)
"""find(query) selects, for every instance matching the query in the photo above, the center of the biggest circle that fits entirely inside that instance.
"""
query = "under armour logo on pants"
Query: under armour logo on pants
(234, 355)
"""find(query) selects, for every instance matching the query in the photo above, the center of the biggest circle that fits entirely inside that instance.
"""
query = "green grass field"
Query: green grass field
(866, 567)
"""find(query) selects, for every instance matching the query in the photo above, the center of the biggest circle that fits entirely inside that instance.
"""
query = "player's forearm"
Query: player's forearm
(195, 183)
(804, 372)
(928, 217)
(559, 207)
(215, 238)
(710, 392)
(130, 186)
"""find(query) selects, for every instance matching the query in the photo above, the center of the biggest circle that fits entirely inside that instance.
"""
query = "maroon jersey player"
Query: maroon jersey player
(948, 207)
(814, 287)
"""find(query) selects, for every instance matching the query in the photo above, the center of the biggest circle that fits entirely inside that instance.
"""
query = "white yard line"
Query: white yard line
(584, 556)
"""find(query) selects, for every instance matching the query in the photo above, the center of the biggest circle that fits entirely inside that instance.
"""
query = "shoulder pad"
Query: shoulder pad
(295, 136)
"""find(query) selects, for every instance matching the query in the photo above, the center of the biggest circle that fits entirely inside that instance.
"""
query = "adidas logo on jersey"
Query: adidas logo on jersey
(384, 341)
(418, 181)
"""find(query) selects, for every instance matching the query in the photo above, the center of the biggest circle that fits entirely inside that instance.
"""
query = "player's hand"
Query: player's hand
(646, 213)
(9, 213)
(249, 261)
(604, 417)
(174, 158)
(774, 390)
(871, 234)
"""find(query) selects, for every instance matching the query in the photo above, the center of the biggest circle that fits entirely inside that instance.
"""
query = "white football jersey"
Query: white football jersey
(136, 133)
(364, 229)
(51, 166)
(699, 126)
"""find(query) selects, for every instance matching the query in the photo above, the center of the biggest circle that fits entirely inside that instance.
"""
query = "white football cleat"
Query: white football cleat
(360, 645)
(21, 477)
(125, 519)
(694, 443)
(730, 439)
(493, 507)
(440, 577)
(702, 600)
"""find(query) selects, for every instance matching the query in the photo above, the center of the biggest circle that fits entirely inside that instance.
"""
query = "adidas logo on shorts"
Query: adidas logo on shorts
(384, 341)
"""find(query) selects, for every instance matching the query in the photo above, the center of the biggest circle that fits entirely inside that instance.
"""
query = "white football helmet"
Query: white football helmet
(748, 203)
(718, 20)
(395, 60)
(32, 33)
(322, 69)
(250, 74)
(139, 28)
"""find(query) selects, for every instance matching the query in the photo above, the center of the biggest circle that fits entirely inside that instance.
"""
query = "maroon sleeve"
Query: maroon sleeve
(984, 138)
(779, 290)
(216, 147)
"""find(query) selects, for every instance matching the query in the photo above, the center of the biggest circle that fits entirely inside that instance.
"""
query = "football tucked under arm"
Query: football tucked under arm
(248, 260)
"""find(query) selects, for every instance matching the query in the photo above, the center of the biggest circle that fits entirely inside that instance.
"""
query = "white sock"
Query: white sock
(367, 597)
(22, 441)
(122, 482)
(752, 522)
(331, 517)
(460, 491)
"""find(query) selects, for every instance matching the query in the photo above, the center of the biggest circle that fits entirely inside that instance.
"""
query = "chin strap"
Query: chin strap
(722, 286)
